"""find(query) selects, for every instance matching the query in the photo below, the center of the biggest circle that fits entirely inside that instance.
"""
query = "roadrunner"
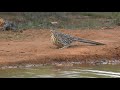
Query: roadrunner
(62, 40)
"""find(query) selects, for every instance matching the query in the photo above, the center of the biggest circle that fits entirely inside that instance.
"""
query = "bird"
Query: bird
(62, 40)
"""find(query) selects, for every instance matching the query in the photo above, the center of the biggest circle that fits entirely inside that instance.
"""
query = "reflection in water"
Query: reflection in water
(102, 71)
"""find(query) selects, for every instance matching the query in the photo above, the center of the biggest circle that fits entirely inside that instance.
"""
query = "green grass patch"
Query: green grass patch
(66, 20)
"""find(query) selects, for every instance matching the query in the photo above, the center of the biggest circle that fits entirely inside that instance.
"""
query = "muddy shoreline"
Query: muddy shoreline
(63, 64)
(36, 48)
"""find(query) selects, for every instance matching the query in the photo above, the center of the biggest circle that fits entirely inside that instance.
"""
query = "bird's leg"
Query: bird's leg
(64, 47)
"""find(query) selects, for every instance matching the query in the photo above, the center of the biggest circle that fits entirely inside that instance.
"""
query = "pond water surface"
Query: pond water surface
(101, 71)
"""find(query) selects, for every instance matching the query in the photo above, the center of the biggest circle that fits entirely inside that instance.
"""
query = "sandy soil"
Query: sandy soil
(38, 49)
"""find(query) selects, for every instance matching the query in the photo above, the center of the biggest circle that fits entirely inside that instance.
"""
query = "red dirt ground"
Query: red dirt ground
(38, 49)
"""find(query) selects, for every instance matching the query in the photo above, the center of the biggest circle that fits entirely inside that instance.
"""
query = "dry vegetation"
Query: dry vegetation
(67, 20)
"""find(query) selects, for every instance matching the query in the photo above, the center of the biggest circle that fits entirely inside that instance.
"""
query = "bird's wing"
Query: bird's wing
(65, 38)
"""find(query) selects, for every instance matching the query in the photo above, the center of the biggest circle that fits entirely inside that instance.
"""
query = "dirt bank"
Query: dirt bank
(38, 49)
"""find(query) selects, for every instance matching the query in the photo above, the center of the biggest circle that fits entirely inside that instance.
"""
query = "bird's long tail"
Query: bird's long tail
(88, 41)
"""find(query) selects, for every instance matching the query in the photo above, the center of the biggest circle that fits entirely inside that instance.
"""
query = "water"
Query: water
(102, 71)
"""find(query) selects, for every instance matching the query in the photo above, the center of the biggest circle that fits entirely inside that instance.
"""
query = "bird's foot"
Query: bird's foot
(64, 47)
